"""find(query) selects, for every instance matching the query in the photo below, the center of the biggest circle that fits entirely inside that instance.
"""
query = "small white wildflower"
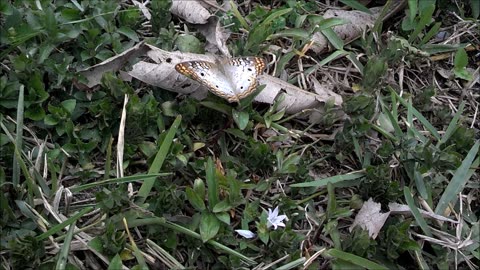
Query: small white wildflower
(246, 233)
(274, 219)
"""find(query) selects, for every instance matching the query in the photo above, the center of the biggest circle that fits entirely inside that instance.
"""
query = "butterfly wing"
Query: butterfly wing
(243, 73)
(208, 74)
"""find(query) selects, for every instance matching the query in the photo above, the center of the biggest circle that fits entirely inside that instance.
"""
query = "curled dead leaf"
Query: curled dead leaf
(190, 10)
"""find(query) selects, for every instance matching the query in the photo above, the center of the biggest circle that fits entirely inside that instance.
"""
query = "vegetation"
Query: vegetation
(169, 185)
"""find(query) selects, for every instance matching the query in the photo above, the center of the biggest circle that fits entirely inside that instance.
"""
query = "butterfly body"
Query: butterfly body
(232, 79)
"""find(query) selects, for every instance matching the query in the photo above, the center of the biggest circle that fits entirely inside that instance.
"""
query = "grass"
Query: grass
(127, 176)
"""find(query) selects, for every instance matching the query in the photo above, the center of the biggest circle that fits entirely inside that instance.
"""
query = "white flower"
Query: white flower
(274, 219)
(246, 233)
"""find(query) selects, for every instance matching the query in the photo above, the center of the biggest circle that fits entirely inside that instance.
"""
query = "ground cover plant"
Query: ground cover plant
(127, 175)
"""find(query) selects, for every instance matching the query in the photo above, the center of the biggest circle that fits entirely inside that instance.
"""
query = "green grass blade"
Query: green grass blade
(356, 5)
(168, 259)
(212, 184)
(18, 137)
(32, 186)
(432, 32)
(63, 256)
(180, 229)
(126, 179)
(418, 217)
(459, 179)
(361, 262)
(64, 224)
(333, 38)
(334, 180)
(425, 18)
(452, 126)
(239, 16)
(333, 56)
(293, 265)
(412, 9)
(419, 116)
(159, 159)
(108, 159)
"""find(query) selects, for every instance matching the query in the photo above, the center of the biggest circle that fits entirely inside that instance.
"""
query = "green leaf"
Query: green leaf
(69, 105)
(44, 51)
(425, 19)
(35, 112)
(189, 43)
(209, 226)
(212, 184)
(194, 199)
(459, 180)
(260, 33)
(461, 59)
(356, 5)
(333, 38)
(460, 63)
(199, 188)
(223, 217)
(159, 159)
(241, 118)
(415, 212)
(475, 6)
(357, 260)
(18, 136)
(115, 263)
(412, 10)
(333, 56)
(128, 32)
(64, 224)
(334, 180)
(293, 33)
(63, 256)
(222, 207)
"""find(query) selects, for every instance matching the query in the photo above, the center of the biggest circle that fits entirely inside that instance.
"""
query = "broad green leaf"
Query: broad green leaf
(209, 226)
(223, 217)
(69, 105)
(222, 207)
(461, 59)
(128, 32)
(460, 63)
(199, 188)
(189, 43)
(115, 263)
(241, 118)
(194, 199)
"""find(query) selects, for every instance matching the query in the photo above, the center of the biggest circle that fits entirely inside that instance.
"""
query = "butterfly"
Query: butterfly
(232, 79)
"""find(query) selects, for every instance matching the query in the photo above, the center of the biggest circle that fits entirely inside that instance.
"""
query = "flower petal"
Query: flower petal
(246, 233)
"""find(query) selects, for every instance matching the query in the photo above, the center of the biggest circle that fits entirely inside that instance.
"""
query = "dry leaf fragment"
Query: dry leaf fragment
(143, 8)
(94, 73)
(216, 36)
(190, 10)
(359, 22)
(396, 208)
(370, 218)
